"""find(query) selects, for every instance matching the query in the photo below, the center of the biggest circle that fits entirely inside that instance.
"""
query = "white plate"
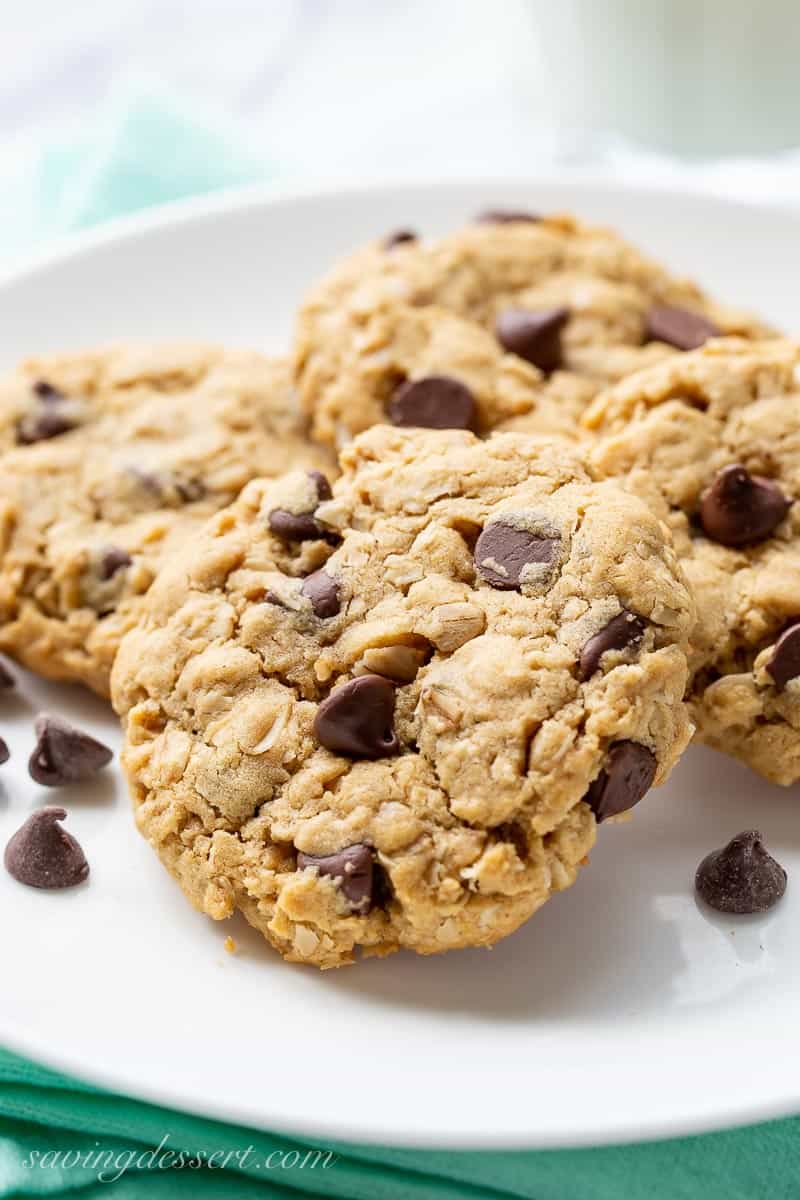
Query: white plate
(622, 1011)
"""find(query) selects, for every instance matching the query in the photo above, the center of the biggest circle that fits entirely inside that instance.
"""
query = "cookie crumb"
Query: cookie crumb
(230, 945)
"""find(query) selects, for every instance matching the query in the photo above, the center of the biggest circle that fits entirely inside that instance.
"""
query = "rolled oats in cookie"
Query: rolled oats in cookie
(109, 459)
(404, 734)
(711, 440)
(532, 315)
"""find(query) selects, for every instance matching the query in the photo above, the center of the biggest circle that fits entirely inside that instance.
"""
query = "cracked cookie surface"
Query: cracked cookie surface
(393, 717)
(109, 459)
(711, 440)
(533, 316)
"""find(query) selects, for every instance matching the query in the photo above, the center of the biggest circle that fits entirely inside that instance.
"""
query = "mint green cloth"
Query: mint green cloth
(150, 149)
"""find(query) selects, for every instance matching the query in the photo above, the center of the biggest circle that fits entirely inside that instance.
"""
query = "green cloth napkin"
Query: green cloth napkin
(60, 1137)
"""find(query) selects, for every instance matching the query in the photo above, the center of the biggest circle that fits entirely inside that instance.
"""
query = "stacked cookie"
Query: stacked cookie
(394, 624)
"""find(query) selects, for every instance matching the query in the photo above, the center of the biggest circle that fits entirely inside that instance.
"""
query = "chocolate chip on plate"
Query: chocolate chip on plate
(5, 753)
(503, 551)
(434, 402)
(352, 868)
(678, 327)
(784, 664)
(627, 776)
(622, 631)
(506, 216)
(113, 559)
(399, 238)
(323, 592)
(742, 877)
(739, 508)
(302, 527)
(40, 426)
(64, 754)
(534, 335)
(357, 719)
(43, 855)
(7, 680)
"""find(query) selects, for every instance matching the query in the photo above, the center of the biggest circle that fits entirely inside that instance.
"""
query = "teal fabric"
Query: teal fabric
(49, 1125)
(59, 1137)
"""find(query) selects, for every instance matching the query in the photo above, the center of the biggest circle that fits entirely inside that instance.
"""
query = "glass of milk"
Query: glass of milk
(696, 77)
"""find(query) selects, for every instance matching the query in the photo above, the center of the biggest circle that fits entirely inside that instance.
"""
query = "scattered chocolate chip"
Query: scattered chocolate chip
(785, 661)
(63, 754)
(533, 335)
(43, 855)
(113, 559)
(399, 238)
(434, 402)
(739, 508)
(40, 426)
(741, 877)
(7, 680)
(5, 753)
(323, 592)
(505, 216)
(324, 490)
(628, 774)
(678, 327)
(357, 719)
(352, 868)
(46, 391)
(622, 631)
(503, 551)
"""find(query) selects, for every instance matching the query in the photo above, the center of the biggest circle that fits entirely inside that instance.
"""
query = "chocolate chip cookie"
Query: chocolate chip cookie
(394, 717)
(513, 319)
(712, 441)
(110, 459)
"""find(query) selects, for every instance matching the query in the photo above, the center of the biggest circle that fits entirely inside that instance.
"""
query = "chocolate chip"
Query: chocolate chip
(302, 527)
(64, 754)
(46, 391)
(352, 868)
(323, 592)
(678, 327)
(357, 719)
(434, 402)
(628, 774)
(533, 335)
(399, 238)
(785, 661)
(7, 680)
(5, 753)
(113, 559)
(740, 508)
(189, 490)
(40, 426)
(43, 855)
(295, 527)
(622, 631)
(503, 551)
(505, 216)
(741, 877)
(324, 490)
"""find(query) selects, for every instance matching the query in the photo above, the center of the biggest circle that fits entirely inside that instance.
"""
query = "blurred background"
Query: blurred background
(109, 107)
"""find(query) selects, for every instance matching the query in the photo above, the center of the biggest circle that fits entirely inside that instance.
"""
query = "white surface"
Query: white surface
(621, 1011)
